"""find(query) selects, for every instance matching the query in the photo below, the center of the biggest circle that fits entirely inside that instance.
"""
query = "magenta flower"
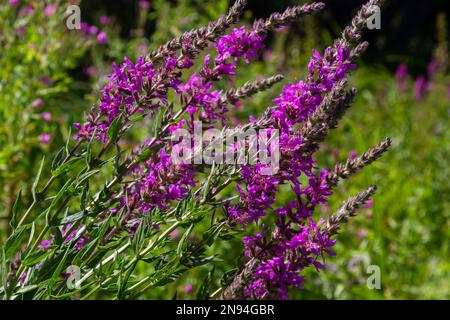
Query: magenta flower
(44, 138)
(50, 9)
(21, 30)
(24, 275)
(84, 131)
(37, 103)
(93, 30)
(28, 10)
(84, 26)
(401, 75)
(160, 182)
(188, 288)
(46, 80)
(335, 154)
(369, 204)
(296, 241)
(352, 154)
(44, 244)
(362, 233)
(237, 44)
(175, 234)
(47, 116)
(420, 87)
(90, 71)
(432, 69)
(402, 72)
(104, 20)
(144, 4)
(101, 37)
(78, 245)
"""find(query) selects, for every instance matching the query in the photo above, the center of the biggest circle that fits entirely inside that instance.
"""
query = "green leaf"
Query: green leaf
(14, 241)
(137, 242)
(174, 275)
(55, 201)
(228, 277)
(58, 239)
(15, 210)
(60, 193)
(59, 157)
(85, 176)
(89, 150)
(65, 167)
(203, 291)
(123, 281)
(84, 197)
(105, 226)
(36, 257)
(118, 167)
(26, 289)
(182, 242)
(4, 272)
(36, 180)
(84, 253)
(58, 270)
(31, 236)
(147, 152)
(212, 233)
(206, 186)
(111, 245)
(74, 217)
(114, 129)
(193, 262)
(68, 140)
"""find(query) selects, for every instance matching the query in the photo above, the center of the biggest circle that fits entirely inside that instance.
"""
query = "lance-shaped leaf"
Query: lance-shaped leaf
(16, 210)
(36, 180)
(66, 166)
(31, 260)
(14, 241)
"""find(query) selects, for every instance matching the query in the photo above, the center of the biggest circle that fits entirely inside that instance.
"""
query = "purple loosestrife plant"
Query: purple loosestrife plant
(108, 230)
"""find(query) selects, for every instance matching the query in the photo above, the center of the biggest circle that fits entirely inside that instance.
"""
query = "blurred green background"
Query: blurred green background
(49, 76)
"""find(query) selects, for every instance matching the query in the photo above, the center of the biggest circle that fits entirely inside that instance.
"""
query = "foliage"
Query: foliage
(56, 195)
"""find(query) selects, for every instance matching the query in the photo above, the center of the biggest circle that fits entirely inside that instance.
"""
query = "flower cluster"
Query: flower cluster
(150, 179)
(296, 241)
(93, 31)
(138, 202)
(284, 260)
(79, 244)
(160, 182)
(124, 95)
(198, 90)
(240, 43)
(296, 103)
(256, 196)
(143, 86)
(299, 100)
(133, 88)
